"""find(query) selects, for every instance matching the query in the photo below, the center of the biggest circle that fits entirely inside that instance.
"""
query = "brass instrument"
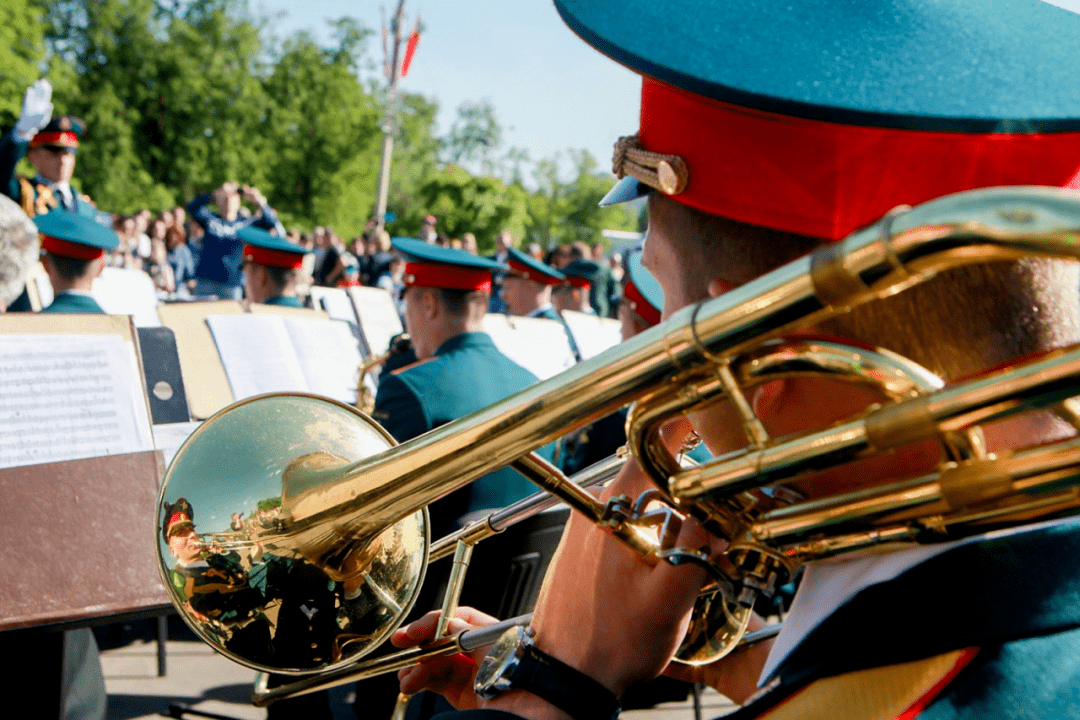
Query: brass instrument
(352, 504)
(365, 399)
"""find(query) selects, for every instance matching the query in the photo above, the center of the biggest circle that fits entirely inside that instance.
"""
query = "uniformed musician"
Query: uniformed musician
(73, 253)
(767, 131)
(527, 288)
(459, 370)
(271, 265)
(574, 293)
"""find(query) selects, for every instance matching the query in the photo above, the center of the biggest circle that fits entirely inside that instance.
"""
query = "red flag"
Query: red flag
(414, 40)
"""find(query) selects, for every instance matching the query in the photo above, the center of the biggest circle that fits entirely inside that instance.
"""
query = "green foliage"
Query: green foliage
(268, 504)
(182, 95)
(22, 50)
(565, 212)
(481, 205)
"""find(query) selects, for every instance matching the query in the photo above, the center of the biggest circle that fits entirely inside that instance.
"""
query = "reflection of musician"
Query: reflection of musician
(216, 585)
(832, 139)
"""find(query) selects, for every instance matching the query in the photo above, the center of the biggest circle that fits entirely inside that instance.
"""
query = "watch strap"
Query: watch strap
(565, 687)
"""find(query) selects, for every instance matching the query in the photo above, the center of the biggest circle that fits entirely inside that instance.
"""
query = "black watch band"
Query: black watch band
(514, 662)
(564, 687)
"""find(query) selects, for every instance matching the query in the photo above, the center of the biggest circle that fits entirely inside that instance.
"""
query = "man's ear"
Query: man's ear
(431, 304)
(718, 287)
(99, 266)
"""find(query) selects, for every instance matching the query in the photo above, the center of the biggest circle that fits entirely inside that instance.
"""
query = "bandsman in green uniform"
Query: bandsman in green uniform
(574, 293)
(271, 265)
(73, 253)
(459, 369)
(527, 287)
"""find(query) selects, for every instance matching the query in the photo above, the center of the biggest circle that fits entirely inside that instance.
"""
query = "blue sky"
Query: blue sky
(550, 90)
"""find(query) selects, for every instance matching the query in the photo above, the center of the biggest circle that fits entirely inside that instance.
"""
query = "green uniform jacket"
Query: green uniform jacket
(67, 302)
(467, 373)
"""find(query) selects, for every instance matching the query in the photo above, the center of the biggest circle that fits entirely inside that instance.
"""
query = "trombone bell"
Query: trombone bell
(262, 576)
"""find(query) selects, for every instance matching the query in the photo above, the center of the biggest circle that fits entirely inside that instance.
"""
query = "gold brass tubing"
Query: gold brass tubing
(386, 487)
(755, 431)
(549, 477)
(466, 641)
(462, 556)
(500, 520)
(1029, 471)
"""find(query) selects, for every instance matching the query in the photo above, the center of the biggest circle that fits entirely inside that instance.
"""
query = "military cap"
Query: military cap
(818, 117)
(528, 267)
(176, 514)
(642, 292)
(61, 133)
(440, 267)
(581, 273)
(262, 248)
(71, 235)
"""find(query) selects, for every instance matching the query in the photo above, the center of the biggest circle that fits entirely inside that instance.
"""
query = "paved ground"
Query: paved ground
(200, 678)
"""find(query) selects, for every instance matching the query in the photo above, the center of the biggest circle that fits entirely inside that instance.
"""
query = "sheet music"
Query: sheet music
(536, 344)
(68, 397)
(593, 334)
(257, 353)
(379, 320)
(329, 355)
(336, 303)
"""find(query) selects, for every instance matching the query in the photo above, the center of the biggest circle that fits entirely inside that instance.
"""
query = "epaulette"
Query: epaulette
(412, 365)
(36, 199)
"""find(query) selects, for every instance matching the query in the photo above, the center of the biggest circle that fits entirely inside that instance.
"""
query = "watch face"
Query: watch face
(496, 670)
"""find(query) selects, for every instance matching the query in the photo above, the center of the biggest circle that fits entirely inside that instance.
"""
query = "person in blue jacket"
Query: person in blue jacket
(271, 265)
(73, 253)
(767, 132)
(221, 254)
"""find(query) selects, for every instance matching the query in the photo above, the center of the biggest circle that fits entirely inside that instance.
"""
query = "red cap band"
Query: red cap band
(529, 273)
(641, 306)
(826, 179)
(272, 258)
(175, 518)
(448, 277)
(63, 139)
(578, 282)
(65, 248)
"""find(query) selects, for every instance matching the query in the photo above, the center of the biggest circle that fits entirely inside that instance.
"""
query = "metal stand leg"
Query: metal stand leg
(162, 636)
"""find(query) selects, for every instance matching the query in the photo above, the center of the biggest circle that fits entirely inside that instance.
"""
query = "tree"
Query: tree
(561, 212)
(22, 51)
(327, 131)
(482, 205)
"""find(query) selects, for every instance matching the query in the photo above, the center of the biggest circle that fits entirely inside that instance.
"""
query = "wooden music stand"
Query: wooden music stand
(78, 534)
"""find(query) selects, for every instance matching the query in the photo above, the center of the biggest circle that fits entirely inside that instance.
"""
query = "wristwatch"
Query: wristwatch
(514, 662)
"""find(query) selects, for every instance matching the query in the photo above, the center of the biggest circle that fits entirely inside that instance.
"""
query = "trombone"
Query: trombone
(353, 504)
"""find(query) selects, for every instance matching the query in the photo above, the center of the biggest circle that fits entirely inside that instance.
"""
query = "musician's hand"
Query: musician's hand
(453, 676)
(606, 612)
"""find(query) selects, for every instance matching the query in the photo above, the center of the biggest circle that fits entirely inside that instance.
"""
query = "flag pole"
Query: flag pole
(389, 120)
